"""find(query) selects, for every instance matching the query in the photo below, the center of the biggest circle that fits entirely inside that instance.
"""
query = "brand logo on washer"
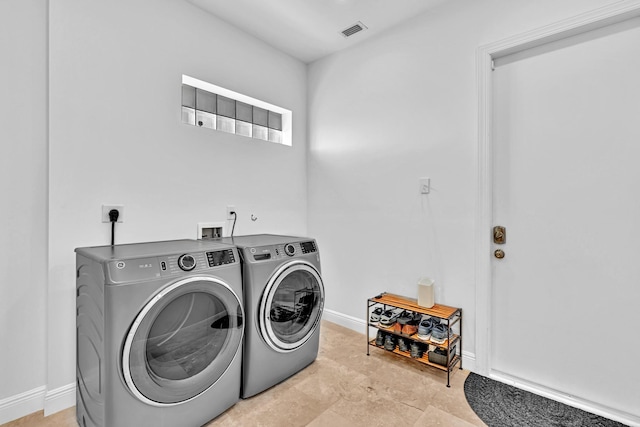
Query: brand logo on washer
(120, 265)
(145, 265)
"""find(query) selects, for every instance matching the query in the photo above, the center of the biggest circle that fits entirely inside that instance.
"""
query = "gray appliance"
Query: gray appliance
(159, 333)
(284, 299)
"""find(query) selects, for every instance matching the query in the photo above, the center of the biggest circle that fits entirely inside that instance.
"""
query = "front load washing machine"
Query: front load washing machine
(159, 333)
(284, 299)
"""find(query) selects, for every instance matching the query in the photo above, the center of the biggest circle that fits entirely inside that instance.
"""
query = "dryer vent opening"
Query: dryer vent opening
(355, 28)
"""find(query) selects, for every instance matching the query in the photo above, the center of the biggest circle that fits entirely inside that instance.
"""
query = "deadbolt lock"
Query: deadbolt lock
(499, 253)
(499, 235)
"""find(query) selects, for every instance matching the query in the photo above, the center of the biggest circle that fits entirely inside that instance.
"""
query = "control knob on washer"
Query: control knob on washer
(186, 262)
(289, 249)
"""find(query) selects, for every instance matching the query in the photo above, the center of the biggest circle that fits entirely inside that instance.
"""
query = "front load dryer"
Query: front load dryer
(284, 299)
(159, 333)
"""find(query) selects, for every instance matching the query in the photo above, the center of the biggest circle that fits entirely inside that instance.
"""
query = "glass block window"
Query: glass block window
(209, 106)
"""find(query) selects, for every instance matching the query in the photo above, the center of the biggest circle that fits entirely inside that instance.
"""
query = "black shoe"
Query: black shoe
(405, 317)
(380, 339)
(390, 342)
(403, 344)
(417, 350)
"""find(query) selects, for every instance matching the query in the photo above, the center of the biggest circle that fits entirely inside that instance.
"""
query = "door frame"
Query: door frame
(486, 54)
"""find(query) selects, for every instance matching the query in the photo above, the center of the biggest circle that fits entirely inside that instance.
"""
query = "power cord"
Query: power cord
(113, 217)
(235, 218)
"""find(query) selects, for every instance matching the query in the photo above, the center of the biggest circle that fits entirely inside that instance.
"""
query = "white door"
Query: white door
(566, 162)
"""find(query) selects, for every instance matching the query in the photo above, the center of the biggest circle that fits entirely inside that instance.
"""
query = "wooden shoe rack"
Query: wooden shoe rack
(451, 316)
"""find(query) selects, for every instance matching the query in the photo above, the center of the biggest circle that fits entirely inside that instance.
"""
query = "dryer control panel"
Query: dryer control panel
(131, 270)
(197, 261)
(287, 250)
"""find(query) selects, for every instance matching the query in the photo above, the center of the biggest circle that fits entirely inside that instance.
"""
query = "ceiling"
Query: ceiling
(311, 29)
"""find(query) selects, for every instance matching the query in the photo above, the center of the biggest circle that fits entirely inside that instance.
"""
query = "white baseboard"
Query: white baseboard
(576, 402)
(22, 404)
(359, 325)
(469, 361)
(59, 398)
(345, 320)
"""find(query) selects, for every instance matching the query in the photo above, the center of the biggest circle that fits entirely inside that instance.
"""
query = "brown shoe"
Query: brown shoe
(397, 328)
(409, 329)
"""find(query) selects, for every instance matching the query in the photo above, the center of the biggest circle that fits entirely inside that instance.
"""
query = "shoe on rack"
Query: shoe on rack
(405, 317)
(375, 315)
(403, 345)
(396, 328)
(388, 318)
(390, 342)
(401, 320)
(425, 327)
(409, 329)
(416, 350)
(380, 339)
(439, 334)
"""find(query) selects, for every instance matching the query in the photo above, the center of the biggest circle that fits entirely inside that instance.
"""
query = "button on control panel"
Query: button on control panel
(186, 262)
(289, 249)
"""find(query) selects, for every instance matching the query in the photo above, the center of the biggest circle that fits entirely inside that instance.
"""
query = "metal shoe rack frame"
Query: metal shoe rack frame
(452, 315)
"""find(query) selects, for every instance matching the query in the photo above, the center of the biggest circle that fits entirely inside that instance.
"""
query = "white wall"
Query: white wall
(381, 115)
(23, 188)
(116, 137)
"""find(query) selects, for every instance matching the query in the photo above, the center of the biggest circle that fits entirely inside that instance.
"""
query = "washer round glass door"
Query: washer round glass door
(183, 341)
(291, 306)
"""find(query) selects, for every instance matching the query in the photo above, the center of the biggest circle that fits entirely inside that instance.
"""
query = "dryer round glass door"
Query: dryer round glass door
(291, 306)
(182, 341)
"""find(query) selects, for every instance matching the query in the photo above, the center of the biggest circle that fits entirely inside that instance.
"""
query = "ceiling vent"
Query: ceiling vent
(355, 28)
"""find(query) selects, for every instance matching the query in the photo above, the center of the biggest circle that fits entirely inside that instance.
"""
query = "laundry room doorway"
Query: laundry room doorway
(561, 181)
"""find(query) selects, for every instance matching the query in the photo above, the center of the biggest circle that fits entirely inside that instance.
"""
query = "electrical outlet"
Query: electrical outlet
(107, 208)
(231, 208)
(425, 185)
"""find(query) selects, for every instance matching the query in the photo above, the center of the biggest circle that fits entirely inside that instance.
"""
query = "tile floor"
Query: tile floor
(343, 387)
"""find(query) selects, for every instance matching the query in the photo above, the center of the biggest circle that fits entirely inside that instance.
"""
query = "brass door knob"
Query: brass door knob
(499, 235)
(499, 253)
